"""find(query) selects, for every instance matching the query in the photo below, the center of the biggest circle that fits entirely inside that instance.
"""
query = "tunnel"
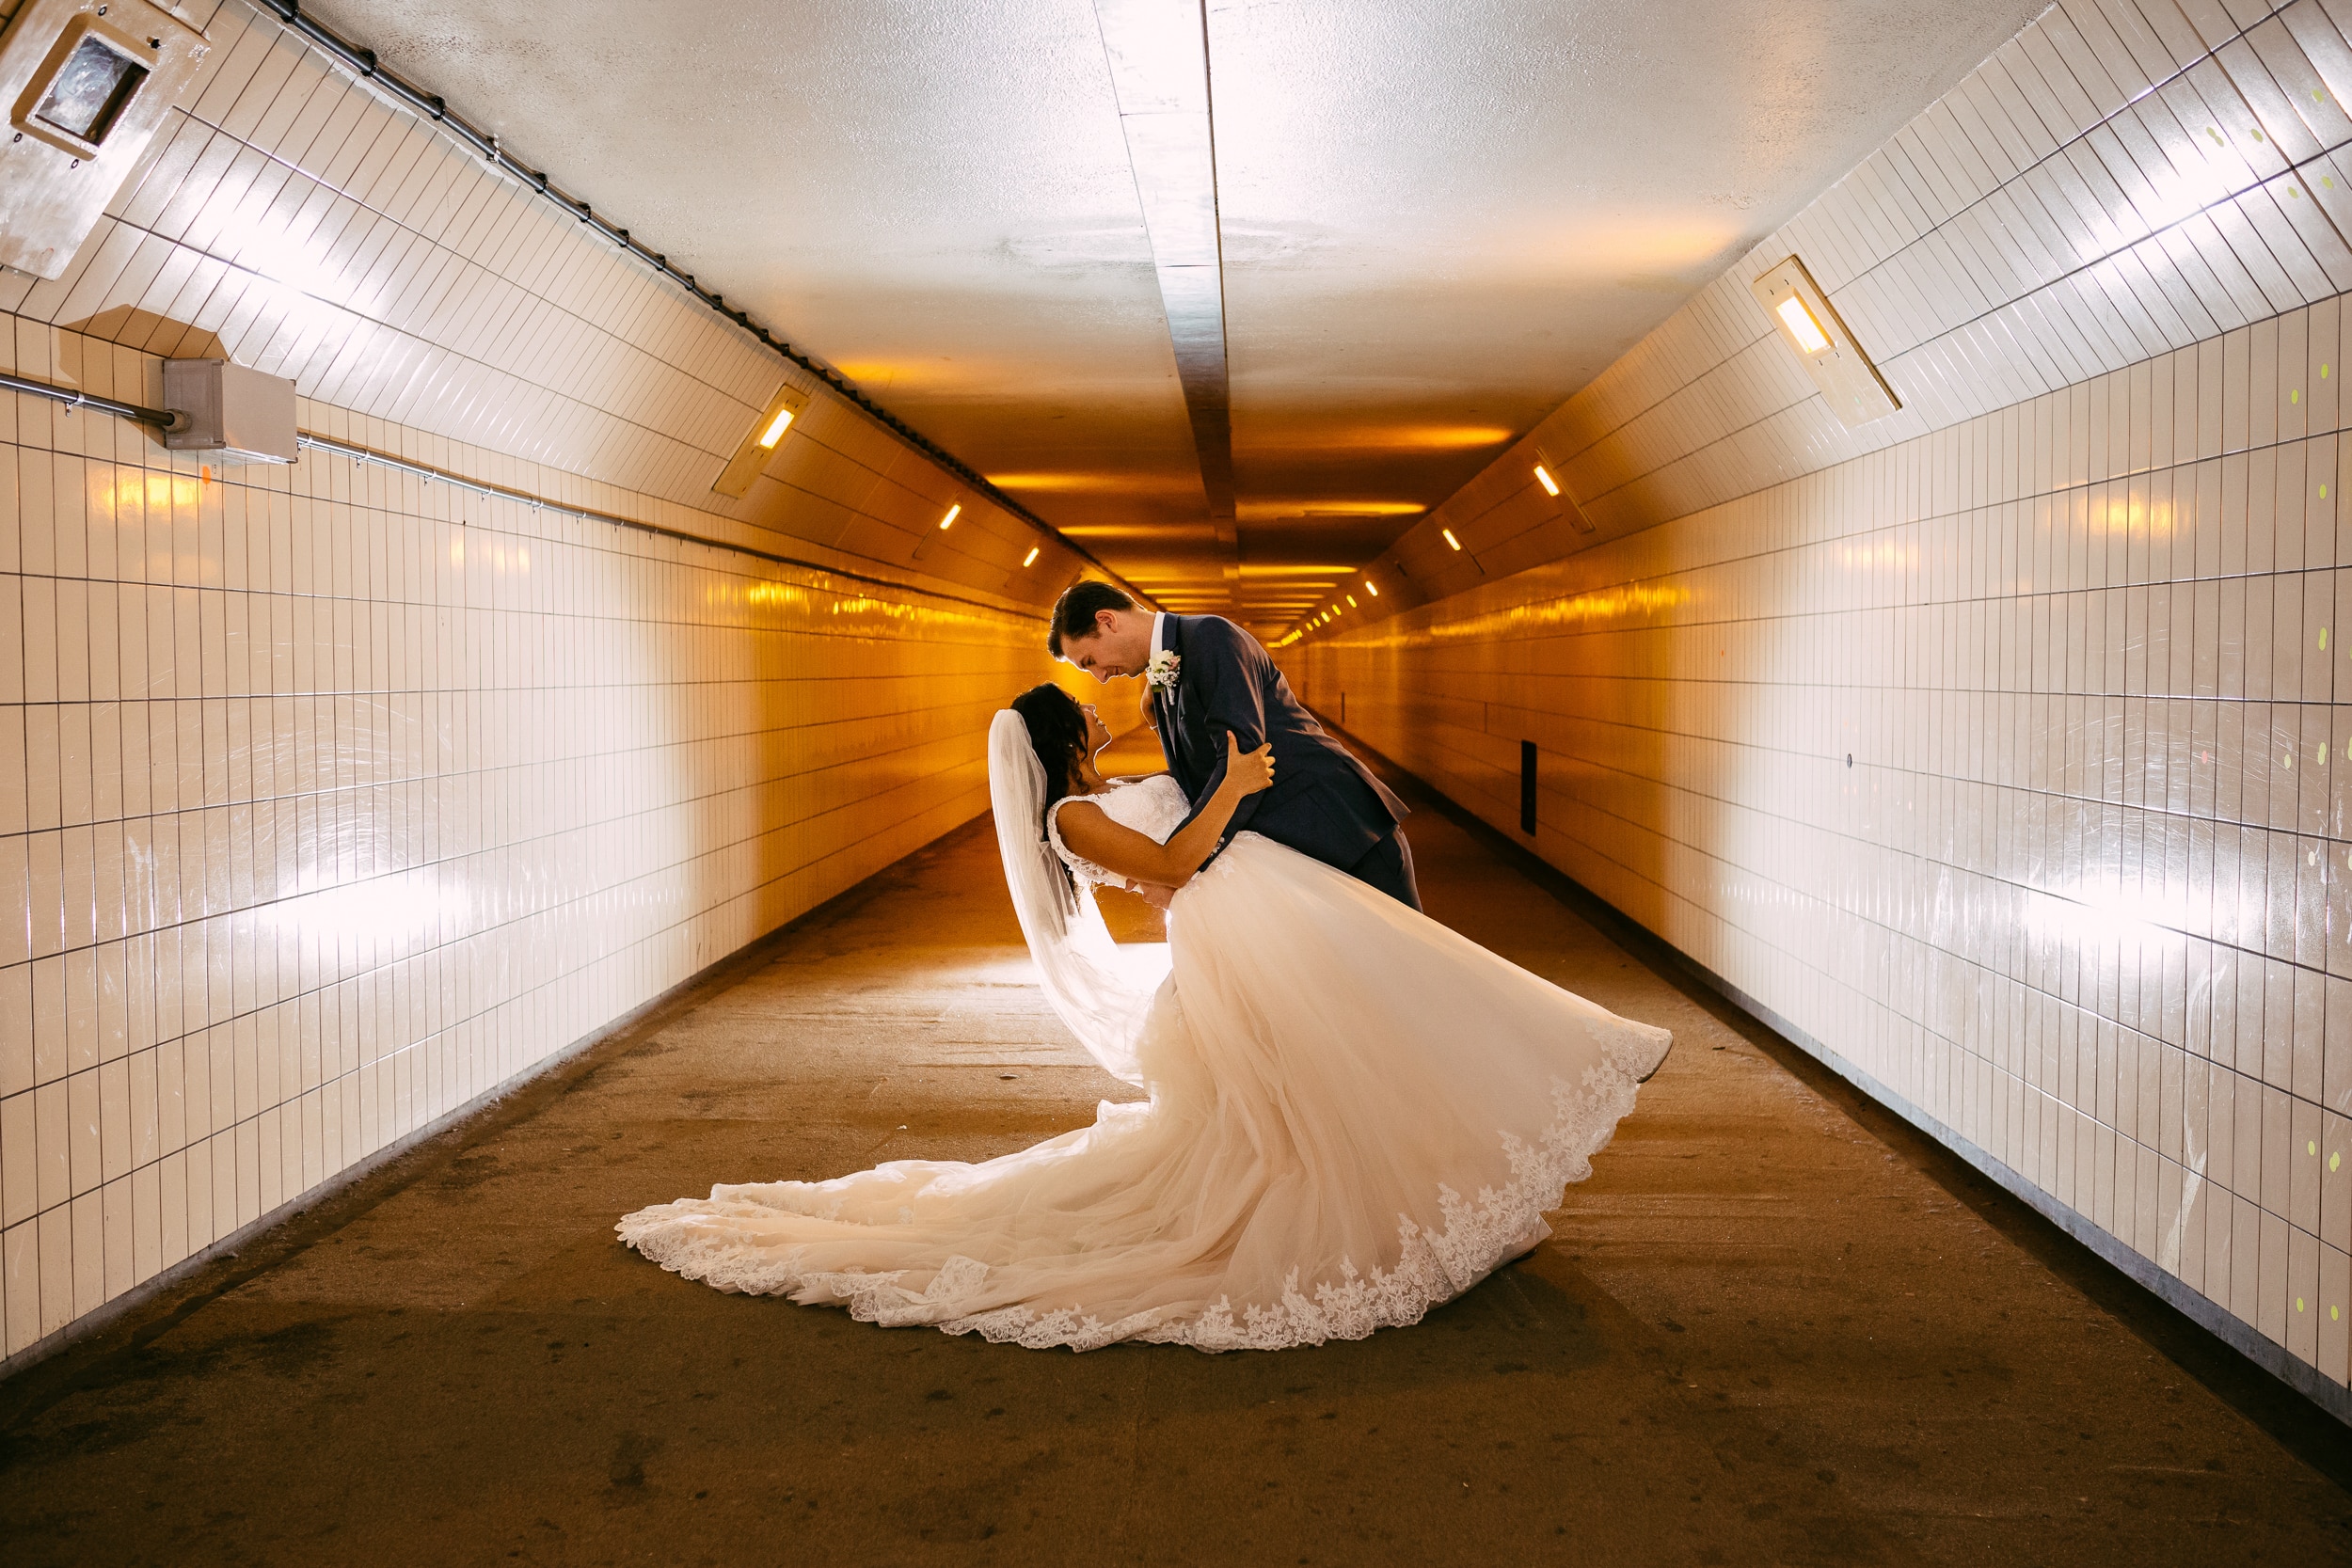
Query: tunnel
(1822, 521)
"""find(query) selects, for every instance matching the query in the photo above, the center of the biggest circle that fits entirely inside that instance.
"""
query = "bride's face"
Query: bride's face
(1098, 733)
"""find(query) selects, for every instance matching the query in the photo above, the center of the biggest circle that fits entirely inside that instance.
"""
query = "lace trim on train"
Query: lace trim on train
(1434, 1266)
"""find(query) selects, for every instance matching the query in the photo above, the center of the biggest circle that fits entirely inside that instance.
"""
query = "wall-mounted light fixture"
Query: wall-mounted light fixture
(1547, 477)
(1848, 382)
(761, 441)
(923, 546)
(86, 85)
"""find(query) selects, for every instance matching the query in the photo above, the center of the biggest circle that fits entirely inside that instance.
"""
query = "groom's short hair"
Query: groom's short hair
(1075, 611)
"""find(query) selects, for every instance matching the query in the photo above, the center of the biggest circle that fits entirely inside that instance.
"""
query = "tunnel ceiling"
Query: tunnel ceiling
(1438, 219)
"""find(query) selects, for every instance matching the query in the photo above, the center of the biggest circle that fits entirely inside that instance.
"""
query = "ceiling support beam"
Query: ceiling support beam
(1158, 53)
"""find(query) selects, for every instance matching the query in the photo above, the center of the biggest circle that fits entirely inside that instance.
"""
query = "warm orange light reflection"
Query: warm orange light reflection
(2134, 512)
(1108, 481)
(144, 489)
(1581, 611)
(1316, 510)
(1884, 552)
(1427, 438)
(1599, 609)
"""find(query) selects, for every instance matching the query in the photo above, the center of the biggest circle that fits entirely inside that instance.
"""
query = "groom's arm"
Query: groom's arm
(1222, 669)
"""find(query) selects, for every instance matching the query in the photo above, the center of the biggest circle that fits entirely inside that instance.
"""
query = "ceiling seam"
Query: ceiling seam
(1158, 56)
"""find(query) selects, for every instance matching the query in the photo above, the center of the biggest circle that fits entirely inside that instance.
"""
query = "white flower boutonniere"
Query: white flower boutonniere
(1160, 675)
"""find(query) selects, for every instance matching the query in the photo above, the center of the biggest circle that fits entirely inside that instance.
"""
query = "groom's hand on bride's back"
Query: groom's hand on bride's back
(1250, 772)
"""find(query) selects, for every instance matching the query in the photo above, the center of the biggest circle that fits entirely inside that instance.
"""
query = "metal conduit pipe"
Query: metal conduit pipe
(363, 62)
(165, 419)
(73, 398)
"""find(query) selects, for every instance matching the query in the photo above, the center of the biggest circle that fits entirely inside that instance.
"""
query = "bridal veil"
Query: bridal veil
(1100, 995)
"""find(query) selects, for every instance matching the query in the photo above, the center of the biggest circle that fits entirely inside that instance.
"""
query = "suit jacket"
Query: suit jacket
(1324, 802)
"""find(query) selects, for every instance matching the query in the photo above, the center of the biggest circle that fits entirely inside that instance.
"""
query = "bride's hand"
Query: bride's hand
(1249, 772)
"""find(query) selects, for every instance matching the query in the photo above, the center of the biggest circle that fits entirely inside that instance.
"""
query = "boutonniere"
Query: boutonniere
(1160, 675)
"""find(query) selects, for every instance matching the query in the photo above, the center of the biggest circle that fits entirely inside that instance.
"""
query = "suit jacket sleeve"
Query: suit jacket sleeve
(1222, 667)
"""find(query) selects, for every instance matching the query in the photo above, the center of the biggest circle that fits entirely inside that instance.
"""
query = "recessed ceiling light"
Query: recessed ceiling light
(949, 521)
(1543, 477)
(1450, 539)
(1802, 328)
(1372, 588)
(1030, 559)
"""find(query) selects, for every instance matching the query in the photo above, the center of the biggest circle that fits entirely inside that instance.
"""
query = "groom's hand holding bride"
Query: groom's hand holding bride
(1245, 774)
(1138, 861)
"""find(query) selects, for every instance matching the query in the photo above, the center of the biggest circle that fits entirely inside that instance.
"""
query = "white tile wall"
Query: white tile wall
(2003, 747)
(331, 797)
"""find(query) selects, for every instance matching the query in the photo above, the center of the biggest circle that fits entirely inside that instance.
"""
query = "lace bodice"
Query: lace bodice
(1154, 807)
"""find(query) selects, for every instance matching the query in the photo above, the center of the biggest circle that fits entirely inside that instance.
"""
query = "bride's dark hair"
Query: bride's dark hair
(1058, 733)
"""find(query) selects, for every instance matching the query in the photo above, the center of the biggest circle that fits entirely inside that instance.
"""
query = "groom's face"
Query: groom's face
(1119, 644)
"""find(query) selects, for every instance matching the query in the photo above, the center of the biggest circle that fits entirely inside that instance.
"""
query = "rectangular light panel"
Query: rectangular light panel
(1811, 328)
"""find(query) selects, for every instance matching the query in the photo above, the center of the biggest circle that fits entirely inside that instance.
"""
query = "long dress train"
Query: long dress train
(1355, 1114)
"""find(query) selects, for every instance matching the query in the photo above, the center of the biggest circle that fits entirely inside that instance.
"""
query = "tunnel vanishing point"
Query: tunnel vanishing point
(515, 520)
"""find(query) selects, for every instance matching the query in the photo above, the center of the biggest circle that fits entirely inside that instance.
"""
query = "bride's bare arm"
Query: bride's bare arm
(1092, 835)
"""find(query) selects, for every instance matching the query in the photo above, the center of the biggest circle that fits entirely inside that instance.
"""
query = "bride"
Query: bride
(1355, 1113)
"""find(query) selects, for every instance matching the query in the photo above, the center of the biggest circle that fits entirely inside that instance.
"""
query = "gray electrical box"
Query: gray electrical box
(242, 415)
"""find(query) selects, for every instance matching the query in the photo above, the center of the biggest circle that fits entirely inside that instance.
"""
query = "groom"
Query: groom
(1208, 678)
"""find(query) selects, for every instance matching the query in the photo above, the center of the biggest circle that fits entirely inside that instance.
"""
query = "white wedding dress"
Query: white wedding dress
(1355, 1114)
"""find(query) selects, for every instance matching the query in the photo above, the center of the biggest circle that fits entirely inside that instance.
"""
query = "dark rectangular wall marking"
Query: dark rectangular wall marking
(1527, 786)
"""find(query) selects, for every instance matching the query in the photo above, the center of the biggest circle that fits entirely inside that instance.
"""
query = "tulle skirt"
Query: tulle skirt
(1355, 1114)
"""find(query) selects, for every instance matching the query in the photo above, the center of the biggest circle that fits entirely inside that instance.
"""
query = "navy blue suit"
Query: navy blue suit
(1324, 802)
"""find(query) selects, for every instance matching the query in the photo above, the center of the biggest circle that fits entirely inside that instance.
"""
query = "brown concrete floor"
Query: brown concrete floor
(1777, 1327)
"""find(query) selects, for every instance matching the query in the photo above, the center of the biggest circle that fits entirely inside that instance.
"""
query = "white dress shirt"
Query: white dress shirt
(1159, 631)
